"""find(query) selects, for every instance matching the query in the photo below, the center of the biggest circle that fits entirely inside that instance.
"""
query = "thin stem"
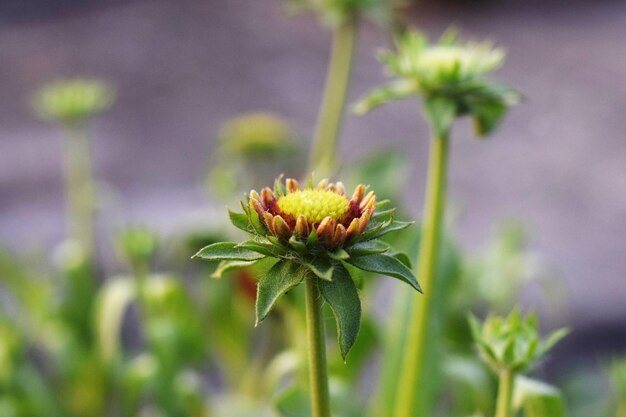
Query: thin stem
(323, 148)
(505, 393)
(79, 187)
(318, 374)
(410, 400)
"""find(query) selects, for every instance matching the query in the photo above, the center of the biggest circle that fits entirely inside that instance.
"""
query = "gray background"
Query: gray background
(558, 164)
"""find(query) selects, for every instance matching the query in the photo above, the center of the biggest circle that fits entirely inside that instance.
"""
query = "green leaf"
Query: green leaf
(440, 112)
(394, 90)
(225, 266)
(264, 248)
(386, 265)
(368, 248)
(240, 221)
(381, 229)
(226, 251)
(338, 255)
(343, 299)
(113, 300)
(322, 268)
(402, 257)
(537, 399)
(296, 244)
(282, 277)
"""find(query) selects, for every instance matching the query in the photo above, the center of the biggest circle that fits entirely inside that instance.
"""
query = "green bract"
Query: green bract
(313, 234)
(512, 343)
(450, 76)
(73, 101)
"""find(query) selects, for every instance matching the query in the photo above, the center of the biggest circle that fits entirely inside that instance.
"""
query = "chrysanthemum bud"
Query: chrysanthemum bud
(267, 196)
(322, 185)
(370, 196)
(281, 228)
(364, 219)
(292, 185)
(326, 229)
(256, 206)
(339, 236)
(302, 227)
(269, 221)
(353, 228)
(359, 191)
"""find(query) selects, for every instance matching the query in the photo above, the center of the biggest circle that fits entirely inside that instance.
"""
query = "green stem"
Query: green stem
(318, 374)
(410, 397)
(323, 148)
(505, 393)
(79, 187)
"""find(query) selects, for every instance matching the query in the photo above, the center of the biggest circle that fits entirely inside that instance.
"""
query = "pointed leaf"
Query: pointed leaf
(386, 265)
(226, 251)
(368, 248)
(339, 255)
(537, 399)
(264, 248)
(282, 277)
(440, 112)
(343, 299)
(240, 221)
(322, 268)
(226, 266)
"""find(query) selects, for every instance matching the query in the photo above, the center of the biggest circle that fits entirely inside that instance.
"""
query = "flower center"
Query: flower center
(315, 205)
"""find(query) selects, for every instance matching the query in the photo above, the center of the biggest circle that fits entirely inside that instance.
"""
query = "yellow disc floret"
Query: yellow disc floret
(315, 205)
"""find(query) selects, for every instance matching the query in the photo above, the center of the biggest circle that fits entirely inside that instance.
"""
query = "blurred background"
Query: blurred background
(557, 166)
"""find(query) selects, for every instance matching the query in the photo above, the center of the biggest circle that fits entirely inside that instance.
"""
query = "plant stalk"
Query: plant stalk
(411, 387)
(505, 393)
(318, 374)
(80, 193)
(324, 147)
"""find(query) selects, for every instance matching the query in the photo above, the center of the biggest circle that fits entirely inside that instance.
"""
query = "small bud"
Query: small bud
(292, 185)
(364, 219)
(339, 237)
(359, 191)
(254, 195)
(370, 196)
(326, 229)
(353, 228)
(269, 221)
(256, 206)
(302, 227)
(322, 185)
(341, 189)
(281, 228)
(267, 196)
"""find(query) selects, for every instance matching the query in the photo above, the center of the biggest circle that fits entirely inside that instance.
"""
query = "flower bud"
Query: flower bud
(292, 185)
(322, 185)
(353, 228)
(281, 228)
(302, 227)
(267, 196)
(369, 197)
(339, 236)
(359, 191)
(326, 229)
(269, 221)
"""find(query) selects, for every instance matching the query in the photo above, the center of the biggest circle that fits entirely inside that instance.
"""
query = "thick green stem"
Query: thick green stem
(79, 187)
(318, 374)
(505, 393)
(324, 146)
(411, 387)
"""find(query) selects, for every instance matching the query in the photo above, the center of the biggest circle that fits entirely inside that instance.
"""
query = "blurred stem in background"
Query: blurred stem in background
(323, 149)
(506, 380)
(412, 374)
(79, 187)
(318, 374)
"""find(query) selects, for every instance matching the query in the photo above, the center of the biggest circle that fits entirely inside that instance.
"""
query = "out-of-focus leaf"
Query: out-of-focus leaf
(537, 399)
(113, 300)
